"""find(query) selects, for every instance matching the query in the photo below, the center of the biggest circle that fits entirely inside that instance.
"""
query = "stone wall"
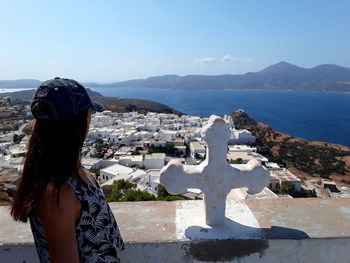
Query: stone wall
(278, 230)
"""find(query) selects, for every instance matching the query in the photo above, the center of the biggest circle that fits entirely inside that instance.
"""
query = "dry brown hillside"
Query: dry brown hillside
(305, 158)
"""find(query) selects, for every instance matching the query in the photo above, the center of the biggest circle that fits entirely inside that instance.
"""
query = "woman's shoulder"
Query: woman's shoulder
(52, 190)
(57, 201)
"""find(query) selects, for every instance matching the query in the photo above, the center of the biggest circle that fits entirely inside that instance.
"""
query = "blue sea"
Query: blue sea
(310, 115)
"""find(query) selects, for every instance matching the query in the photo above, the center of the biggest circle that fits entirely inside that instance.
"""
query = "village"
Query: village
(135, 147)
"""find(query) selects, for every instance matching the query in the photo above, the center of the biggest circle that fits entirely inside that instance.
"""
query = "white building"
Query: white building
(241, 137)
(101, 120)
(118, 172)
(131, 161)
(278, 176)
(154, 161)
(241, 148)
(152, 180)
(330, 184)
(5, 145)
(168, 135)
(142, 135)
(197, 148)
(124, 150)
(229, 121)
(245, 156)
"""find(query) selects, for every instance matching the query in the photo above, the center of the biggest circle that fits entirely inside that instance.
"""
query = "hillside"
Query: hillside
(125, 105)
(110, 103)
(29, 94)
(305, 158)
(280, 76)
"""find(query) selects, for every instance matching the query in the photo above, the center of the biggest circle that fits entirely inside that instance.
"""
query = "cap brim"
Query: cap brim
(97, 106)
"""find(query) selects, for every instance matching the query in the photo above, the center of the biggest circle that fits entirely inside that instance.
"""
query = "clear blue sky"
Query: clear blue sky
(117, 40)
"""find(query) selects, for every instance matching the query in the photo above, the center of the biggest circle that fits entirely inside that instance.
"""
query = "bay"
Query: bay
(310, 115)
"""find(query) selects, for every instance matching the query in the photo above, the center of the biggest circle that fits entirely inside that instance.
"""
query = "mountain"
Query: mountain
(19, 84)
(280, 76)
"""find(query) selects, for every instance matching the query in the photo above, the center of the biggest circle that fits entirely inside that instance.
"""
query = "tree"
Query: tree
(27, 130)
(237, 161)
(122, 190)
(138, 195)
(286, 187)
(96, 172)
(161, 191)
(169, 148)
(163, 195)
(17, 138)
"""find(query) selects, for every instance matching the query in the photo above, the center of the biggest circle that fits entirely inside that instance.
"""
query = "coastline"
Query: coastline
(224, 89)
(9, 90)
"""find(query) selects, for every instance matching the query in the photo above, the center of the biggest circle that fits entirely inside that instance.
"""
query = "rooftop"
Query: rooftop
(155, 156)
(283, 174)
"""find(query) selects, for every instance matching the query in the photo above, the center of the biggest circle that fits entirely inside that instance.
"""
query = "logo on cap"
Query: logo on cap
(42, 91)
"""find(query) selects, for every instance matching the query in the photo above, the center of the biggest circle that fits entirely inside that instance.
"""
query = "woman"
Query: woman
(70, 219)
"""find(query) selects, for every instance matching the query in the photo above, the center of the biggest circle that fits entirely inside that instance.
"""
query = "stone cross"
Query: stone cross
(214, 176)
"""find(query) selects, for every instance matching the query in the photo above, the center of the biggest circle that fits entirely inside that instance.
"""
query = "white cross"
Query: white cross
(214, 176)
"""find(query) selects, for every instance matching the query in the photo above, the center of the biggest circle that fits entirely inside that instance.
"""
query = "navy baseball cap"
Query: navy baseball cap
(61, 99)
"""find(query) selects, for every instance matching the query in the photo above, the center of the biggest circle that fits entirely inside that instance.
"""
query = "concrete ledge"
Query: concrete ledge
(278, 230)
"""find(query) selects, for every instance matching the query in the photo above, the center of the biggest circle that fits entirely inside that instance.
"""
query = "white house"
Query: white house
(241, 137)
(154, 161)
(142, 135)
(118, 171)
(5, 145)
(229, 121)
(101, 120)
(241, 148)
(152, 180)
(123, 151)
(197, 148)
(135, 176)
(245, 155)
(131, 160)
(168, 135)
(281, 175)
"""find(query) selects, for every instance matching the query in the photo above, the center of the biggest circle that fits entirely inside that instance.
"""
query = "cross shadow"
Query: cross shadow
(233, 230)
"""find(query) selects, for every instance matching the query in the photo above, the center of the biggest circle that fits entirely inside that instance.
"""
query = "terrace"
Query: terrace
(215, 229)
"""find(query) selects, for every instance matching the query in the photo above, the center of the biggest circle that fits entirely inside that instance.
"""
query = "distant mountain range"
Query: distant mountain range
(280, 76)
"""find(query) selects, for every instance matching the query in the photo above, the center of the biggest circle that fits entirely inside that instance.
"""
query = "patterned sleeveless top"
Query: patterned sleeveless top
(97, 232)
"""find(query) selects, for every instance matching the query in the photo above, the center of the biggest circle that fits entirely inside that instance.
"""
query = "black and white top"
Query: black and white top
(97, 232)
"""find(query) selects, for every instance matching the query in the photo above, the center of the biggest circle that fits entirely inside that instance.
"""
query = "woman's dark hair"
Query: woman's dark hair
(53, 156)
